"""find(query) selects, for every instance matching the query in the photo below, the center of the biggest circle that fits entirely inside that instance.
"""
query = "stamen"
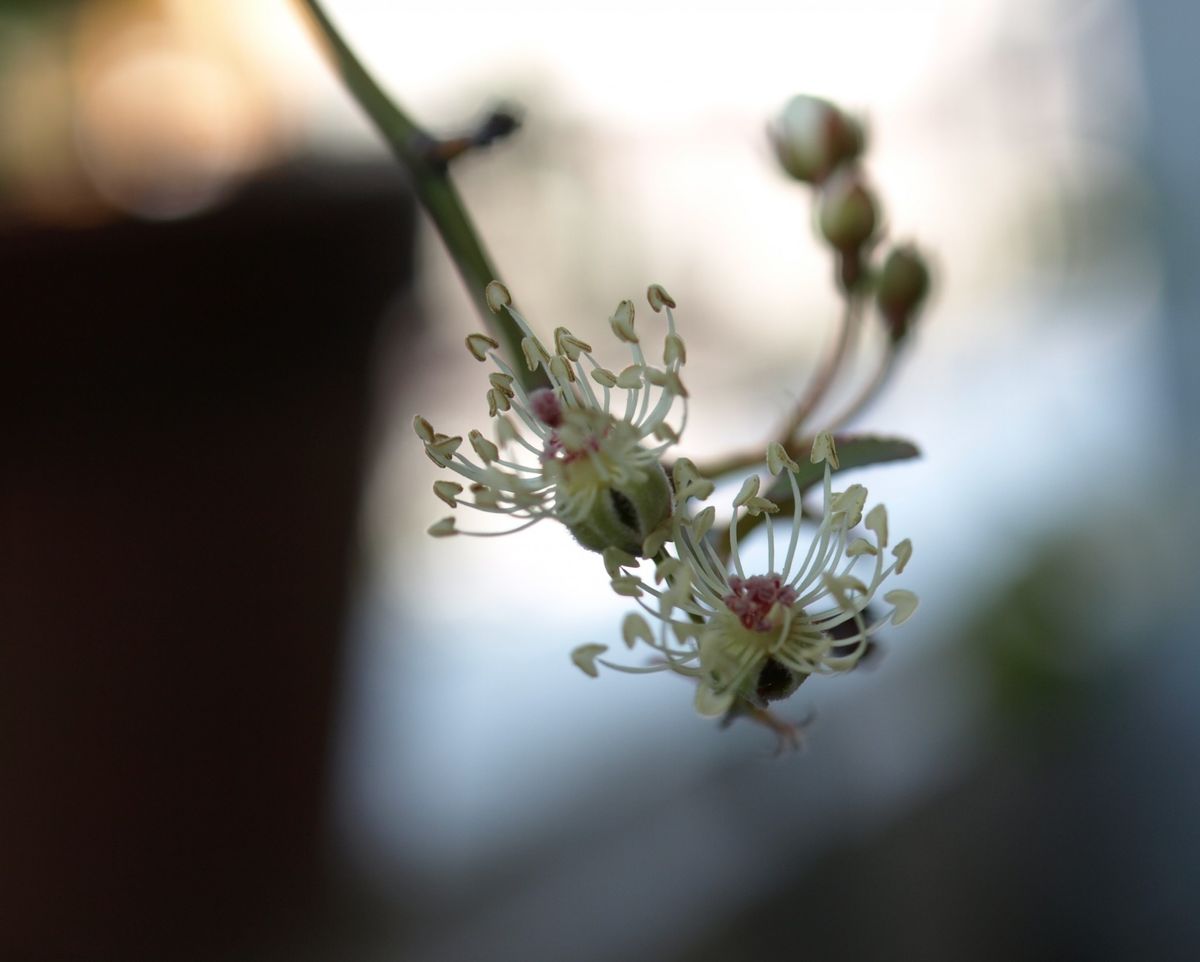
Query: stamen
(480, 344)
(497, 297)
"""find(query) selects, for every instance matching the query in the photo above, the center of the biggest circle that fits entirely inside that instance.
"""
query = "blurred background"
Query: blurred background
(249, 710)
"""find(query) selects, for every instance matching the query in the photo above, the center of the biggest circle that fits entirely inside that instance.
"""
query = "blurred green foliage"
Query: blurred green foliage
(1045, 659)
(30, 9)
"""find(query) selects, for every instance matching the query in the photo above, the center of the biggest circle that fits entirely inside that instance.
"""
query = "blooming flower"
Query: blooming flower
(745, 636)
(585, 450)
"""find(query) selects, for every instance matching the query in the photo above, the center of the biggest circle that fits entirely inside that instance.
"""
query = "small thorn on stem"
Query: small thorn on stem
(499, 123)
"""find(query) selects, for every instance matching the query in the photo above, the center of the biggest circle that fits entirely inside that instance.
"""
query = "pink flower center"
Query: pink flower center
(556, 449)
(546, 407)
(753, 598)
(580, 442)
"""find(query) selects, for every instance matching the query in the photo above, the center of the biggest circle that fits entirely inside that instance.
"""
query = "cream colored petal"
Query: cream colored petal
(445, 446)
(604, 377)
(585, 657)
(447, 491)
(904, 602)
(877, 522)
(480, 344)
(860, 546)
(566, 343)
(696, 489)
(778, 459)
(502, 382)
(655, 541)
(657, 295)
(423, 428)
(654, 376)
(824, 449)
(666, 568)
(622, 322)
(535, 353)
(748, 490)
(850, 503)
(630, 378)
(703, 521)
(615, 559)
(561, 369)
(627, 586)
(506, 431)
(664, 432)
(487, 451)
(712, 704)
(635, 629)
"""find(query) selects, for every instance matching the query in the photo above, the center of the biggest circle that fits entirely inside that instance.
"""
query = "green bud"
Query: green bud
(848, 213)
(902, 287)
(812, 138)
(775, 683)
(622, 517)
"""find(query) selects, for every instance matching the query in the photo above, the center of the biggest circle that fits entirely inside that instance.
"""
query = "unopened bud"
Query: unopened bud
(625, 517)
(849, 213)
(903, 286)
(776, 681)
(812, 138)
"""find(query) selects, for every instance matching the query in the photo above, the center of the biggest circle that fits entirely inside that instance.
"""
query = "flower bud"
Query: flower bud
(902, 288)
(776, 682)
(848, 213)
(622, 517)
(812, 138)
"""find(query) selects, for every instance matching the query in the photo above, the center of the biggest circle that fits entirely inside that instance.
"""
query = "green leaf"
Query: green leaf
(854, 451)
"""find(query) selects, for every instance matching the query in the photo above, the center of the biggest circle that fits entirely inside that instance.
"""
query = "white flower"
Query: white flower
(737, 633)
(585, 450)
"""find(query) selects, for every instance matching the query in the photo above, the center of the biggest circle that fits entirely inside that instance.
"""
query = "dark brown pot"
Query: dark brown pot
(184, 420)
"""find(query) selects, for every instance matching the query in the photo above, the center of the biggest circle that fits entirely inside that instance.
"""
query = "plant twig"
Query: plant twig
(431, 185)
(798, 448)
(870, 391)
(789, 436)
(820, 384)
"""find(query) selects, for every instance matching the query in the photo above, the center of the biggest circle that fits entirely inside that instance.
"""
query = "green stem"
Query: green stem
(740, 460)
(790, 436)
(821, 383)
(432, 186)
(872, 390)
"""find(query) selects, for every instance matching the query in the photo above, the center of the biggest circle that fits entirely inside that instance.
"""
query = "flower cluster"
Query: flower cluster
(748, 637)
(586, 449)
